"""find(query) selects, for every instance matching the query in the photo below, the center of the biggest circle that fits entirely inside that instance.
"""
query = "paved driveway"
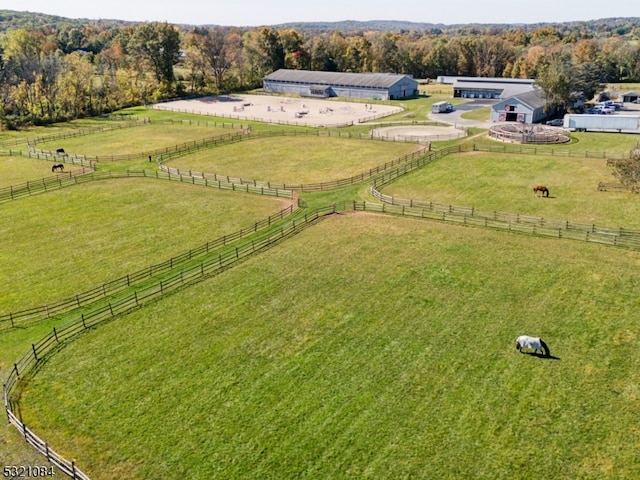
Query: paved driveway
(455, 117)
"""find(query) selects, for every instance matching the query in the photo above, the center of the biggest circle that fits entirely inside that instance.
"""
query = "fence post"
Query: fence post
(35, 353)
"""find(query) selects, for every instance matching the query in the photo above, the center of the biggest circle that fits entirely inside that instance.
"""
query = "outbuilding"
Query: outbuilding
(307, 83)
(631, 97)
(524, 108)
(491, 88)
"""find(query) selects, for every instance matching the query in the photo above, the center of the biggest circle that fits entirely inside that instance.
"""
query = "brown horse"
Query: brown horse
(541, 188)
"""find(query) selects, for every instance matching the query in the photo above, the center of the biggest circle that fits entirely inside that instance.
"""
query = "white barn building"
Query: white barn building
(306, 83)
(523, 108)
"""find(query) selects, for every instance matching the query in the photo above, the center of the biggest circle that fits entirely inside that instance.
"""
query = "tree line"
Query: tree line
(64, 70)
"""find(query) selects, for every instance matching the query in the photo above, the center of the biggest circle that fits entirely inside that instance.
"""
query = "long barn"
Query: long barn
(307, 83)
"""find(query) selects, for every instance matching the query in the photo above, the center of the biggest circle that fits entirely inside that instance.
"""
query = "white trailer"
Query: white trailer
(441, 107)
(596, 122)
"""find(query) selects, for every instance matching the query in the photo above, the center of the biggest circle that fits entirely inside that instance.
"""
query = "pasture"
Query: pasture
(135, 140)
(294, 159)
(16, 170)
(84, 232)
(504, 183)
(365, 347)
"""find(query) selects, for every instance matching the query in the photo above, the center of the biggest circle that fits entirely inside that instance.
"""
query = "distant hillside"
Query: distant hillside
(10, 19)
(599, 25)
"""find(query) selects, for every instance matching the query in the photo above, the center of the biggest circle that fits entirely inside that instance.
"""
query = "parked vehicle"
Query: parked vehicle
(556, 122)
(611, 104)
(441, 107)
(603, 109)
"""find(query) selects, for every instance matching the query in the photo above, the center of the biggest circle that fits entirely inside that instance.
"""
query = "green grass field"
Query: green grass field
(365, 346)
(294, 160)
(16, 170)
(85, 230)
(134, 140)
(504, 183)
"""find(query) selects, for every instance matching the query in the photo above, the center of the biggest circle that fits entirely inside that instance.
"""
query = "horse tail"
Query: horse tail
(545, 348)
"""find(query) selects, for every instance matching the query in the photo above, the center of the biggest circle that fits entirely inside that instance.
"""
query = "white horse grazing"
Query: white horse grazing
(534, 343)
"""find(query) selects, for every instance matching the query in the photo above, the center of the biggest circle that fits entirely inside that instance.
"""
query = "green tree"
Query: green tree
(272, 48)
(157, 45)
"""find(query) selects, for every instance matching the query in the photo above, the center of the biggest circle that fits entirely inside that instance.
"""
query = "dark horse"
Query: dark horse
(541, 188)
(57, 166)
(60, 151)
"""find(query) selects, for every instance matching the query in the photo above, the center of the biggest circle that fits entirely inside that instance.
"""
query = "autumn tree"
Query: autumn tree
(77, 85)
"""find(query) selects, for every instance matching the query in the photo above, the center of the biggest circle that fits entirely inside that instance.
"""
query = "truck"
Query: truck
(584, 122)
(441, 107)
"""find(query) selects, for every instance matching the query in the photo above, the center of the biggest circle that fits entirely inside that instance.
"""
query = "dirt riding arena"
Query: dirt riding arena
(283, 110)
(419, 133)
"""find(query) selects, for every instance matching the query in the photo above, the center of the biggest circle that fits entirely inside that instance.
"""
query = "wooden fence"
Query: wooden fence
(604, 187)
(83, 299)
(74, 178)
(27, 366)
(188, 271)
(253, 119)
(310, 187)
(176, 149)
(545, 150)
(131, 120)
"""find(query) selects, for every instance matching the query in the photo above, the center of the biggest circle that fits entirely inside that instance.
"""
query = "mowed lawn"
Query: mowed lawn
(294, 159)
(364, 347)
(137, 139)
(71, 240)
(504, 183)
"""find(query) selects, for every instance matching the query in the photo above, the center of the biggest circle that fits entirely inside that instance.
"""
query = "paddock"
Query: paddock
(282, 110)
(419, 133)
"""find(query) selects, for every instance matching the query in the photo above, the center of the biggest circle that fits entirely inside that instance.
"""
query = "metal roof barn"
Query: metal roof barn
(526, 107)
(307, 83)
(495, 88)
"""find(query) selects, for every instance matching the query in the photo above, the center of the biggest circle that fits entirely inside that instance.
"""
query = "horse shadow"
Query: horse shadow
(542, 355)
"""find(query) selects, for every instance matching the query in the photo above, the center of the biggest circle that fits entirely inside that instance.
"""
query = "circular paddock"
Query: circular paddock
(418, 133)
(528, 134)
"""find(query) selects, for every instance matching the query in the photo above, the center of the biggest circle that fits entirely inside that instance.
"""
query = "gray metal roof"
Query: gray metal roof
(480, 81)
(534, 99)
(364, 80)
(508, 86)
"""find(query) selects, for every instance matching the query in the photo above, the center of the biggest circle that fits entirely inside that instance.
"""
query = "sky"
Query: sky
(272, 12)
